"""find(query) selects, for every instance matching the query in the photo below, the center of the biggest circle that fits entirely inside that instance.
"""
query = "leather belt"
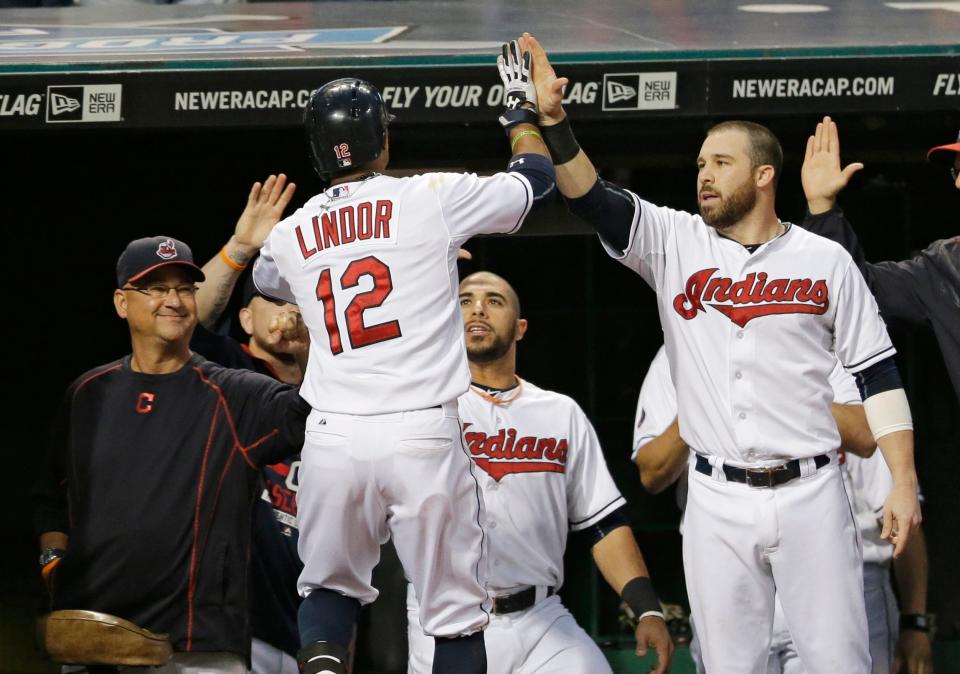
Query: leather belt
(761, 477)
(518, 601)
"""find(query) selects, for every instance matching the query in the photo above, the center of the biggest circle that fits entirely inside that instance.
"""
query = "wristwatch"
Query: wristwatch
(915, 621)
(50, 554)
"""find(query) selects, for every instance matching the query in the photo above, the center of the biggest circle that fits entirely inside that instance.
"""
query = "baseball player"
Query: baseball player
(755, 312)
(657, 450)
(371, 263)
(542, 472)
(923, 290)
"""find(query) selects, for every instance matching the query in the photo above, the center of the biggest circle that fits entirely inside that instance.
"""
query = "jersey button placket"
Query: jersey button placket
(742, 393)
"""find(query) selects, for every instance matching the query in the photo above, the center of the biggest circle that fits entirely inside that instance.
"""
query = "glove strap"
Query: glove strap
(511, 117)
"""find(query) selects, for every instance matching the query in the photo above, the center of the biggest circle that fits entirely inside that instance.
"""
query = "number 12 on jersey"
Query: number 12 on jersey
(360, 335)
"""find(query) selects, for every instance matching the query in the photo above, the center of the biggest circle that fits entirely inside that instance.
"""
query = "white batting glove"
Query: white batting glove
(514, 67)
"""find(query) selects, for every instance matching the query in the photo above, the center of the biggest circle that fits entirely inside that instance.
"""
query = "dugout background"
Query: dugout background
(71, 200)
(647, 79)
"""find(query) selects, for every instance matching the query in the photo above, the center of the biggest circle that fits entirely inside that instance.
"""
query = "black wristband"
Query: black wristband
(640, 596)
(510, 117)
(915, 621)
(560, 141)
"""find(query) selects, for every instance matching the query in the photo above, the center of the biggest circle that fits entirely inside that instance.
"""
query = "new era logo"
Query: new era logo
(639, 91)
(60, 104)
(617, 92)
(84, 103)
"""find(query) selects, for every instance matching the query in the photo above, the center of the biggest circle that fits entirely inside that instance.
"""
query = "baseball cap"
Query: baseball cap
(142, 256)
(249, 291)
(944, 154)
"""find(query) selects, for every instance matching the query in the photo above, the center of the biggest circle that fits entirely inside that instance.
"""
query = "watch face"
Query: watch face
(49, 555)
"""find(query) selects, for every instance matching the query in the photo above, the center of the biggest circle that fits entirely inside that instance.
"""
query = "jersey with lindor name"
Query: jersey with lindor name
(542, 472)
(752, 337)
(372, 266)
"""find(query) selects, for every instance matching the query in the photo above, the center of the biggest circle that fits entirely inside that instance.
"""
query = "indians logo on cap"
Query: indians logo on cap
(167, 250)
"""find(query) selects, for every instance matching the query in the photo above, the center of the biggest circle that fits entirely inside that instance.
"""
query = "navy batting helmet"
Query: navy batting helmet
(346, 122)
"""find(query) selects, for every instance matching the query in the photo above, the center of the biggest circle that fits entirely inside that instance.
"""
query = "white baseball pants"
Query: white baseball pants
(268, 659)
(407, 475)
(743, 545)
(544, 639)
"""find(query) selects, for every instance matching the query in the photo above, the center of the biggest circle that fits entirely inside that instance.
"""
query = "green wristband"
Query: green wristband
(522, 134)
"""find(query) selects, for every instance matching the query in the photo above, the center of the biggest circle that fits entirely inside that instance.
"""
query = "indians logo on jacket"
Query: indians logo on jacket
(753, 297)
(505, 453)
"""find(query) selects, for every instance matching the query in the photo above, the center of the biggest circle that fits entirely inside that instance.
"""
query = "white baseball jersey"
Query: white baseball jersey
(542, 473)
(657, 404)
(868, 480)
(751, 336)
(371, 264)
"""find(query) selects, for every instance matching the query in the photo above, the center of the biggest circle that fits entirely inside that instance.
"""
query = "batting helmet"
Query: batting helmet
(346, 122)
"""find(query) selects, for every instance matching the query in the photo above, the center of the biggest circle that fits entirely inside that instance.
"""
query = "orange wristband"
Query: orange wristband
(230, 262)
(49, 567)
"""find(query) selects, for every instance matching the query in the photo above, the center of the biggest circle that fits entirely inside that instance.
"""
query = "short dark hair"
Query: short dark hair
(764, 146)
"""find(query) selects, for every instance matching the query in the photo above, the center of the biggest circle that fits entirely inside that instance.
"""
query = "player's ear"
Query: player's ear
(764, 175)
(120, 303)
(246, 320)
(521, 328)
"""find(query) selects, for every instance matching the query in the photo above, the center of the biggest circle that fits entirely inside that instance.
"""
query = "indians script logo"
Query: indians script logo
(505, 453)
(167, 250)
(753, 297)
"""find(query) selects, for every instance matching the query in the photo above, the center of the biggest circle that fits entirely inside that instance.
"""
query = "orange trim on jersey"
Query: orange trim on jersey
(94, 376)
(73, 467)
(191, 575)
(499, 401)
(237, 446)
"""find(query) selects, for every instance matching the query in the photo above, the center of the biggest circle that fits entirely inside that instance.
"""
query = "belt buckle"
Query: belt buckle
(760, 477)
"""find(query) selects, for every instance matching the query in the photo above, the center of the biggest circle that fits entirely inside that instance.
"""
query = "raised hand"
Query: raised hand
(514, 66)
(549, 86)
(265, 206)
(821, 174)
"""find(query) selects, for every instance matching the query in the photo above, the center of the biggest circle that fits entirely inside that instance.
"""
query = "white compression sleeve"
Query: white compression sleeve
(888, 412)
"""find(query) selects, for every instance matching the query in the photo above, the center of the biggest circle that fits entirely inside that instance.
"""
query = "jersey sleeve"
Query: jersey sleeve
(591, 492)
(900, 288)
(652, 228)
(474, 205)
(657, 403)
(845, 391)
(266, 273)
(860, 335)
(270, 416)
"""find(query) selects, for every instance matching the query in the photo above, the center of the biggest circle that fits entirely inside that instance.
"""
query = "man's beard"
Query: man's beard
(492, 351)
(731, 209)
